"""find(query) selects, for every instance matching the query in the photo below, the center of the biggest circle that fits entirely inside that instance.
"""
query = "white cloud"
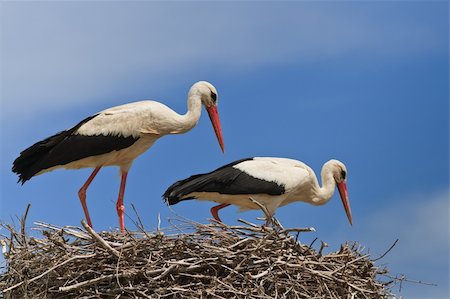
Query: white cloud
(63, 61)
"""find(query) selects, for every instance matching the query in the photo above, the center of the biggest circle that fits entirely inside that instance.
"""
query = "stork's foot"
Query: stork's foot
(82, 196)
(215, 210)
(119, 205)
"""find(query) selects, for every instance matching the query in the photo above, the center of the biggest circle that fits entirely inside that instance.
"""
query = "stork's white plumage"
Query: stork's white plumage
(273, 182)
(116, 136)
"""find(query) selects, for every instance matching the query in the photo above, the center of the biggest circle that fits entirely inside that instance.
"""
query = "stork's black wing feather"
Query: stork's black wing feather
(65, 147)
(224, 180)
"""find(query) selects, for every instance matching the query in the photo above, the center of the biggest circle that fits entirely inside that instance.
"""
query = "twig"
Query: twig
(166, 272)
(305, 229)
(312, 243)
(95, 280)
(158, 228)
(262, 207)
(140, 225)
(390, 248)
(322, 246)
(99, 239)
(22, 225)
(249, 223)
(264, 273)
(67, 230)
(402, 278)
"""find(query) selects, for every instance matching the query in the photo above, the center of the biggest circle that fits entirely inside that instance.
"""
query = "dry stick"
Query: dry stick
(246, 240)
(158, 227)
(349, 263)
(143, 294)
(300, 230)
(99, 239)
(117, 271)
(403, 278)
(12, 237)
(419, 282)
(71, 232)
(324, 245)
(166, 272)
(22, 225)
(139, 223)
(390, 248)
(249, 223)
(50, 270)
(183, 219)
(363, 291)
(264, 273)
(257, 229)
(263, 208)
(95, 280)
(230, 287)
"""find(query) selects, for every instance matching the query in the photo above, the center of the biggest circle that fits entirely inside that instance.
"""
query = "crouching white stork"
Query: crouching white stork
(116, 136)
(272, 182)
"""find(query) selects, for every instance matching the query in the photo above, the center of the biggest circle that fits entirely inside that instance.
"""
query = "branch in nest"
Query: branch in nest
(99, 239)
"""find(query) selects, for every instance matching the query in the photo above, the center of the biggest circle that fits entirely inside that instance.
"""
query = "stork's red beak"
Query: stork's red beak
(214, 117)
(342, 187)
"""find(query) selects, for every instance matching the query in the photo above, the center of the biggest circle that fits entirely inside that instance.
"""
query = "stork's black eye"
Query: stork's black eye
(213, 97)
(343, 174)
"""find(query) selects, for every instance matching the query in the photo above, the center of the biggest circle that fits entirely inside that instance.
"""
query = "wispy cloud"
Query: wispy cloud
(62, 61)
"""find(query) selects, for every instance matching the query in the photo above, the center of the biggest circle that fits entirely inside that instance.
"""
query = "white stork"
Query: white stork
(272, 182)
(116, 136)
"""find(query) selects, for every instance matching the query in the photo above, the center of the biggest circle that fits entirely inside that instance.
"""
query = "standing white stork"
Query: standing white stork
(272, 182)
(116, 136)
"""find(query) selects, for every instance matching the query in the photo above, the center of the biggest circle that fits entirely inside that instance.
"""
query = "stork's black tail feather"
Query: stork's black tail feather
(176, 191)
(29, 163)
(206, 182)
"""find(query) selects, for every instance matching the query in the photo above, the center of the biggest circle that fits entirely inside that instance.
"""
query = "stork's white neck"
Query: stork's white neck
(190, 119)
(326, 191)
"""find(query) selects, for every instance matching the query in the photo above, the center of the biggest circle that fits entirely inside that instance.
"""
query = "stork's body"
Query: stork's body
(273, 182)
(116, 136)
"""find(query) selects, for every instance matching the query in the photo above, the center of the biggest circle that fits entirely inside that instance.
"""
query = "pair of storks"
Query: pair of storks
(116, 136)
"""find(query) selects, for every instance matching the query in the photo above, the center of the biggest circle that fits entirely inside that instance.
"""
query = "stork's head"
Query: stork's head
(208, 96)
(339, 172)
(207, 92)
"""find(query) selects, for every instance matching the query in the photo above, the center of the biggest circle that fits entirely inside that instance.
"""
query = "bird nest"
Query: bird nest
(187, 260)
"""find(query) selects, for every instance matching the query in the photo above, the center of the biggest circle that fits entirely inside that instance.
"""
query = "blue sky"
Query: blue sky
(362, 82)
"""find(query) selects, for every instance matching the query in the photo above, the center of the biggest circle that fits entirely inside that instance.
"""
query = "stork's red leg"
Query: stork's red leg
(215, 210)
(82, 194)
(119, 205)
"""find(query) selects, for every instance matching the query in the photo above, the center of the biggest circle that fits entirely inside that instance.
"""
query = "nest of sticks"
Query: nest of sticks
(187, 260)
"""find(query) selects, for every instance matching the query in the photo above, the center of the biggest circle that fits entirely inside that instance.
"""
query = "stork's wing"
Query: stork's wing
(66, 147)
(228, 179)
(133, 119)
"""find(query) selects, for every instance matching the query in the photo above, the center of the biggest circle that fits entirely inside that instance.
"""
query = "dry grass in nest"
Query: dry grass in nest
(188, 260)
